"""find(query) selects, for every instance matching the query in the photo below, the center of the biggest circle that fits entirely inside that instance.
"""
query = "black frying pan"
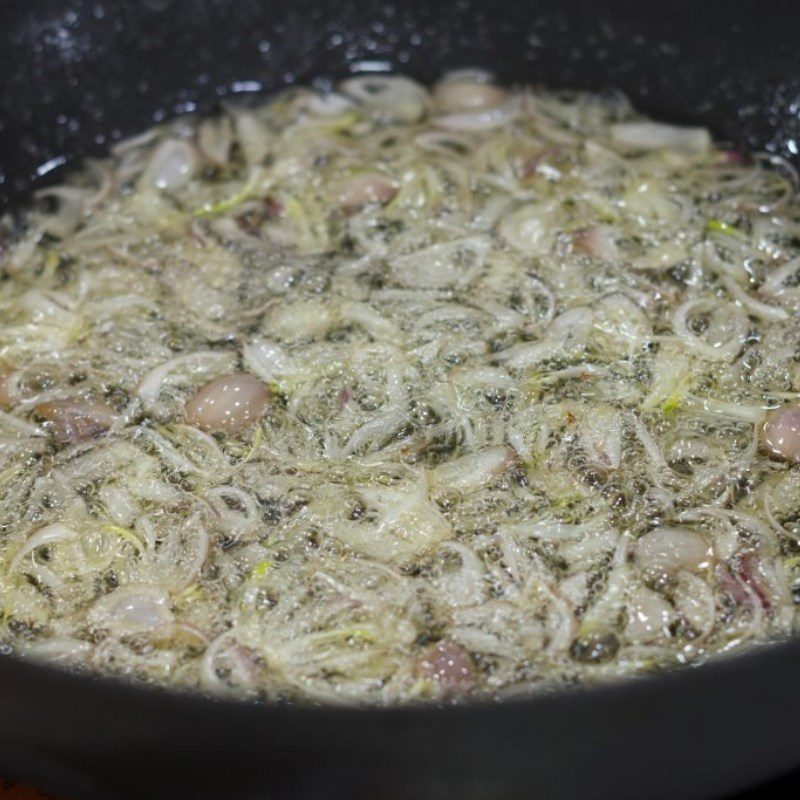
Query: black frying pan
(75, 74)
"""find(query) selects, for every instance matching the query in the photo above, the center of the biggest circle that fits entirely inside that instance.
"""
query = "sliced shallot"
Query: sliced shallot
(666, 551)
(71, 421)
(228, 404)
(780, 434)
(134, 608)
(449, 665)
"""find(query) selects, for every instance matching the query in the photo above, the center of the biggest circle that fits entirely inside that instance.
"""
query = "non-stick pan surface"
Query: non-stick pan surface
(74, 75)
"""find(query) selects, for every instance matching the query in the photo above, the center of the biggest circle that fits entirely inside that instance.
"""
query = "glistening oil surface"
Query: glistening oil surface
(388, 395)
